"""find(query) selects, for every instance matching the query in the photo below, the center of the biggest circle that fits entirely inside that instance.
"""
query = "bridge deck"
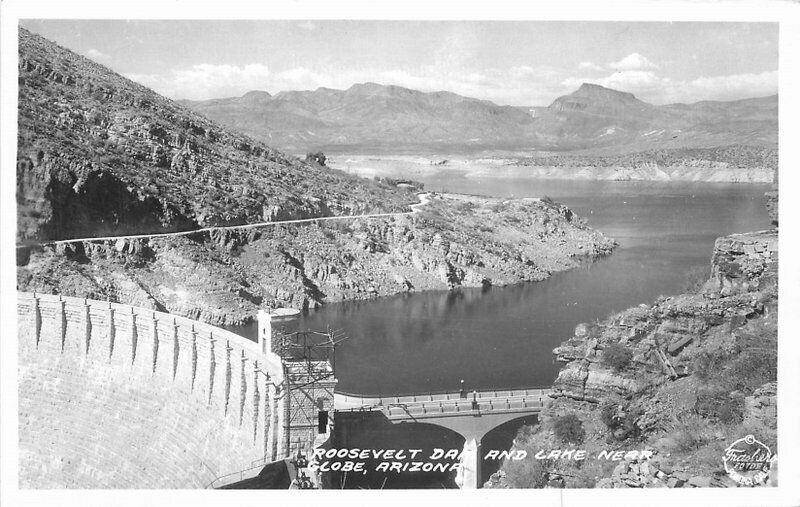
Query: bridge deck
(446, 404)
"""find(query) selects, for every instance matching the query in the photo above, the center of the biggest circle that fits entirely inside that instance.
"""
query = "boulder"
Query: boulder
(699, 481)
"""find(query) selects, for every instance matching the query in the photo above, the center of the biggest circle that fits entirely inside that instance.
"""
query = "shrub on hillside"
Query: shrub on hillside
(464, 207)
(716, 403)
(690, 433)
(706, 363)
(568, 428)
(617, 356)
(528, 473)
(316, 158)
(752, 368)
(608, 415)
(621, 423)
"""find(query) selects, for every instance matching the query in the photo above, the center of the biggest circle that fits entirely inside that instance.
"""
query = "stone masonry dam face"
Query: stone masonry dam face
(114, 396)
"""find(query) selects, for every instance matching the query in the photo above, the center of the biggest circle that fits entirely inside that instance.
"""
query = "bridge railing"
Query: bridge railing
(457, 407)
(444, 395)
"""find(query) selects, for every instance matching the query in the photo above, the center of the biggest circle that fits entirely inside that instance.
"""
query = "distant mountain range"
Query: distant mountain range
(371, 117)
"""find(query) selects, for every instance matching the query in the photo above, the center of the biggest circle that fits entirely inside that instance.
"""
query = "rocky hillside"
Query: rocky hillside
(99, 155)
(224, 278)
(373, 118)
(684, 378)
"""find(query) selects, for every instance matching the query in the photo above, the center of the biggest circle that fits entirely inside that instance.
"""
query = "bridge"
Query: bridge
(470, 414)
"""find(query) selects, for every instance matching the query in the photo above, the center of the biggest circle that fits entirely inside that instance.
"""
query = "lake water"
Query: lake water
(503, 337)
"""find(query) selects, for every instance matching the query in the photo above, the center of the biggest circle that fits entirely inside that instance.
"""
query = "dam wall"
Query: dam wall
(115, 396)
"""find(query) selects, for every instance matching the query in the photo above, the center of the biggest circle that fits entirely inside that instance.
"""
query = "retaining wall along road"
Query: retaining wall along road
(114, 396)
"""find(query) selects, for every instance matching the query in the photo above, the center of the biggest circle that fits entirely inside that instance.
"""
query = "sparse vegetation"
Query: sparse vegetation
(316, 158)
(529, 473)
(718, 404)
(568, 429)
(621, 422)
(690, 433)
(617, 356)
(706, 362)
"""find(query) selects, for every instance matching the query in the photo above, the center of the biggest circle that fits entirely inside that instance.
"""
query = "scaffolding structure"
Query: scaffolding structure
(309, 364)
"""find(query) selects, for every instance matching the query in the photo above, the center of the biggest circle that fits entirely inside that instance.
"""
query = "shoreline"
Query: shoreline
(405, 166)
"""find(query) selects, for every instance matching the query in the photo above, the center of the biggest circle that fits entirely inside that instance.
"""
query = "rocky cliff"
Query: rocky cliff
(683, 378)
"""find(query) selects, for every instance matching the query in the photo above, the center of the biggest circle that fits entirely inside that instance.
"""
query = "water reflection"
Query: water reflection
(503, 337)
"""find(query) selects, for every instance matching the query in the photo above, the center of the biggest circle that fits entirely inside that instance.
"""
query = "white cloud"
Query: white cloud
(522, 71)
(589, 66)
(96, 55)
(732, 87)
(206, 80)
(633, 61)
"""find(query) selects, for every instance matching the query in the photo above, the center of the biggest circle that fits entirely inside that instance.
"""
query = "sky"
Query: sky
(510, 63)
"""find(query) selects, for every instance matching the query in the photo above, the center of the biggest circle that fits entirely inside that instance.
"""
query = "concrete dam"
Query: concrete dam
(115, 396)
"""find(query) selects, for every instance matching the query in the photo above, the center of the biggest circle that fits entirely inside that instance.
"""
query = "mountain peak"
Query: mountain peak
(597, 99)
(256, 96)
(601, 92)
(370, 88)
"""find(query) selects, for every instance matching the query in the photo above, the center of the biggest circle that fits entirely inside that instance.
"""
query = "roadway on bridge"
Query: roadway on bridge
(454, 403)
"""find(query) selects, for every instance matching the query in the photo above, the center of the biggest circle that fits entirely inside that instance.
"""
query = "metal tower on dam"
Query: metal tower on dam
(308, 362)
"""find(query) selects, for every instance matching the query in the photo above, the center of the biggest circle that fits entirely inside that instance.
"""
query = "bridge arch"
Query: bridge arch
(373, 430)
(470, 415)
